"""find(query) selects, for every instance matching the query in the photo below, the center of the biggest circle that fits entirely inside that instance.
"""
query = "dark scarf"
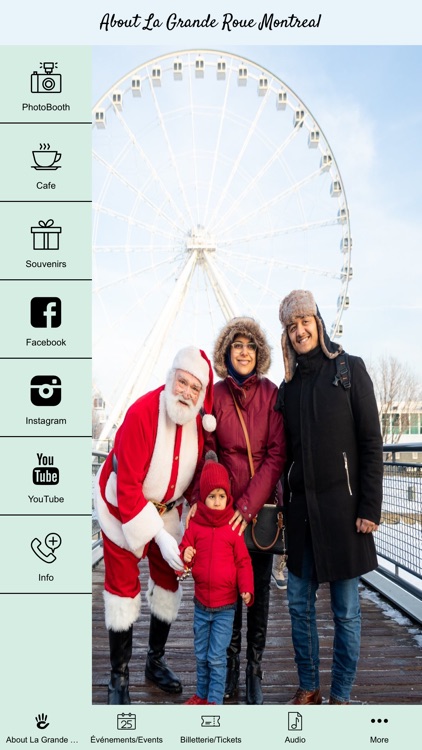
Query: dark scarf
(239, 379)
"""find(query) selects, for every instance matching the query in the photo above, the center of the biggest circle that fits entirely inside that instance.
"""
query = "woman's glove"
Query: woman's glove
(169, 549)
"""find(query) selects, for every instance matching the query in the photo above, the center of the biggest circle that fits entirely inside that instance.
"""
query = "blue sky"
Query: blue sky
(367, 101)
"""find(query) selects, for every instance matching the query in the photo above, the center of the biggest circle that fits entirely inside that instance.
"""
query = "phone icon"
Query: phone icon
(52, 542)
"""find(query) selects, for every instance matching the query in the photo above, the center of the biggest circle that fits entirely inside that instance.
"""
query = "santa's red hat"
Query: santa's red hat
(196, 362)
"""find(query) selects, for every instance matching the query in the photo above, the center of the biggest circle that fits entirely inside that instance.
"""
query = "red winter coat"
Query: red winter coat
(222, 566)
(256, 399)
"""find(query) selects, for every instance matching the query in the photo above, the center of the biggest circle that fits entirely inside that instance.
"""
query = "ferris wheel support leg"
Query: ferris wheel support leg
(227, 304)
(146, 358)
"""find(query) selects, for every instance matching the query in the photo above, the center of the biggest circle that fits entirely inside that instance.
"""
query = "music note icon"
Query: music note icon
(295, 721)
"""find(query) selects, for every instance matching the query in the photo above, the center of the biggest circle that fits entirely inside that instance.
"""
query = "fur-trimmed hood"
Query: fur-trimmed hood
(241, 327)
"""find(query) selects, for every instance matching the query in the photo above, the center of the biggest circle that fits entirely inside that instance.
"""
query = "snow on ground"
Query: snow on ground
(393, 614)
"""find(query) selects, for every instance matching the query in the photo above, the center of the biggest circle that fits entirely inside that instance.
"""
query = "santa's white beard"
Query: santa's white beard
(180, 413)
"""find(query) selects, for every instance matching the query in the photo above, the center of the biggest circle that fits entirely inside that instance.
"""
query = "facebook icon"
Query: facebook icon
(46, 312)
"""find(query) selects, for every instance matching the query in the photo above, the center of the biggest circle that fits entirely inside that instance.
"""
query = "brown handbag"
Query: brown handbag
(266, 532)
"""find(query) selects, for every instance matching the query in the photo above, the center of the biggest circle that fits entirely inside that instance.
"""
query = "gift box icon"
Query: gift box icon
(46, 236)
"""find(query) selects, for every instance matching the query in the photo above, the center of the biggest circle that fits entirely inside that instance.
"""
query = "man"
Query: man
(139, 503)
(333, 493)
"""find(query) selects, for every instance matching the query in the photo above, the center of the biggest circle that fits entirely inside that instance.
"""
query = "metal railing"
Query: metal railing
(399, 538)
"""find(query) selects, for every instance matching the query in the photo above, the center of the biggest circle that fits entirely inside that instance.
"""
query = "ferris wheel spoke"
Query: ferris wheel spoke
(194, 149)
(224, 297)
(251, 184)
(133, 275)
(217, 147)
(277, 263)
(154, 172)
(172, 155)
(239, 158)
(305, 227)
(146, 357)
(131, 220)
(145, 199)
(129, 248)
(244, 276)
(291, 190)
(244, 300)
(138, 306)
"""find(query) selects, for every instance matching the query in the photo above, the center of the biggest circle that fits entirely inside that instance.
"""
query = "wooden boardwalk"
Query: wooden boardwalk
(390, 668)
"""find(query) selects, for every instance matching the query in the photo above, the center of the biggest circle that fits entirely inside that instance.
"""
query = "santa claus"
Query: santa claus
(139, 496)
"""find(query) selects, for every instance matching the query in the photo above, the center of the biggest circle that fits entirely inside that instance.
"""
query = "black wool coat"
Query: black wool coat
(336, 467)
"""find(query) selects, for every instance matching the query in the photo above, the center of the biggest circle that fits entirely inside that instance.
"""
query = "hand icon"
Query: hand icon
(42, 722)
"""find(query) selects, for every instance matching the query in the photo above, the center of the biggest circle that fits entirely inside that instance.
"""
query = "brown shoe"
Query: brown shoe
(336, 702)
(306, 697)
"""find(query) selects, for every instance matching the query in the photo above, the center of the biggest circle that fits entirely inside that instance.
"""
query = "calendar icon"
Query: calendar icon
(126, 721)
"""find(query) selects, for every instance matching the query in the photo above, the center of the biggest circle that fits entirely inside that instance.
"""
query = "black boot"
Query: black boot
(257, 619)
(233, 655)
(120, 653)
(156, 668)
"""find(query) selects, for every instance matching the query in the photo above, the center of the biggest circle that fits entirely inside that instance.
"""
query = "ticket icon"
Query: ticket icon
(210, 721)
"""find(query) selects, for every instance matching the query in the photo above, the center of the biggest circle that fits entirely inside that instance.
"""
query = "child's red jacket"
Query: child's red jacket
(222, 566)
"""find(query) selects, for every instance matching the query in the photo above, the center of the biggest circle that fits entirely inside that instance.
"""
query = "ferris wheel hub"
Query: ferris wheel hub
(200, 241)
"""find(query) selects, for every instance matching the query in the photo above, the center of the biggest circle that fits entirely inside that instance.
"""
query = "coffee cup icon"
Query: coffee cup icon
(46, 159)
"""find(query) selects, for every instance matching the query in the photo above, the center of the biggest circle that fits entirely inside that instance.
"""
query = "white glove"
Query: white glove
(169, 549)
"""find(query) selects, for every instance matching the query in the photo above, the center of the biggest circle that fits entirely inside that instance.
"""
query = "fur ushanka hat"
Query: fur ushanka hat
(249, 328)
(299, 304)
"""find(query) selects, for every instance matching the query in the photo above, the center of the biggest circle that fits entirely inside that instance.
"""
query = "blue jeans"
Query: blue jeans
(212, 635)
(301, 594)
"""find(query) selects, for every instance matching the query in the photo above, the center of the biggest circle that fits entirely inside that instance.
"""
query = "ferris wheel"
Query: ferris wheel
(215, 194)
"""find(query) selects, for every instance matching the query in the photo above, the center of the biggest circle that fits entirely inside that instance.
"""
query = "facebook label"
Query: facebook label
(46, 312)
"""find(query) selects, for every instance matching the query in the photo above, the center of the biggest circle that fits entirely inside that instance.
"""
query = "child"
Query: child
(220, 567)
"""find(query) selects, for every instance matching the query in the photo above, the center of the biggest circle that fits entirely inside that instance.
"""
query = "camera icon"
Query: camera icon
(46, 390)
(46, 82)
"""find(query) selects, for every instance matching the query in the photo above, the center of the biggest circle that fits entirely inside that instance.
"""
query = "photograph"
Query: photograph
(211, 429)
(255, 239)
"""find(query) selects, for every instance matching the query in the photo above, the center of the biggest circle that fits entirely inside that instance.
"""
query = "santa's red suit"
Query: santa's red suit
(139, 496)
(153, 459)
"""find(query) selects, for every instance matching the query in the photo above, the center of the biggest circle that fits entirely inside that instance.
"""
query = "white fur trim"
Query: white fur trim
(133, 535)
(209, 422)
(109, 524)
(163, 604)
(157, 479)
(121, 611)
(191, 360)
(141, 529)
(111, 489)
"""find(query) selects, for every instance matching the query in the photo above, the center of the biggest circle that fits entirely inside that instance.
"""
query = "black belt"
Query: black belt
(163, 507)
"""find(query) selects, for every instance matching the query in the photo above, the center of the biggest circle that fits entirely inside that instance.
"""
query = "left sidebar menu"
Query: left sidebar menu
(45, 308)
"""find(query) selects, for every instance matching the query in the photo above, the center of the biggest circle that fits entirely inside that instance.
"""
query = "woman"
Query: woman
(242, 357)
